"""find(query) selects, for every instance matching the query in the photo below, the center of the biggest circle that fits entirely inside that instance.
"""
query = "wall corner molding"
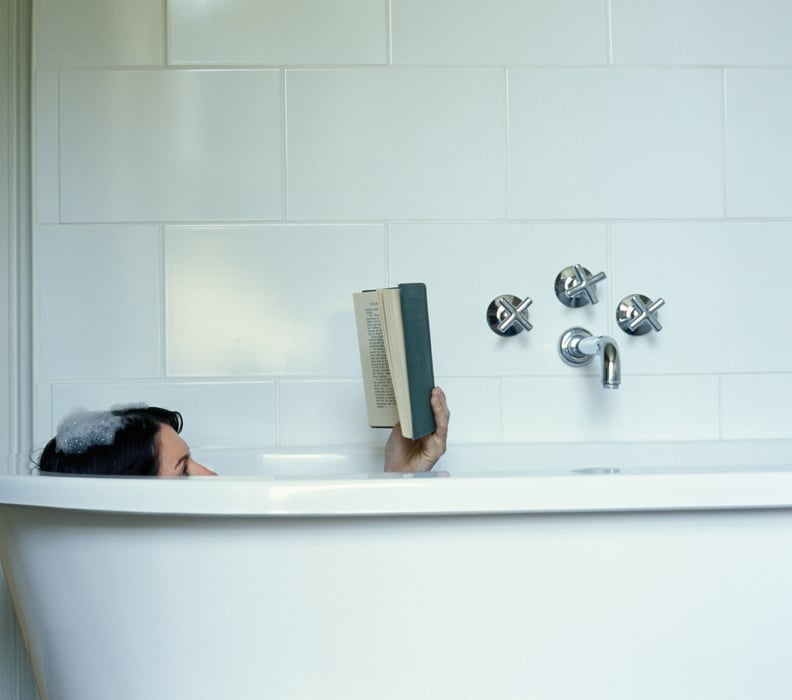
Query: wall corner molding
(16, 414)
(16, 371)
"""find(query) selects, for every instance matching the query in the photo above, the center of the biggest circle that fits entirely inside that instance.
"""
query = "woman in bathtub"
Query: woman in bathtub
(144, 441)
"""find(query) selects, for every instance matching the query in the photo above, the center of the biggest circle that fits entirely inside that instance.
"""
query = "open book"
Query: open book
(396, 357)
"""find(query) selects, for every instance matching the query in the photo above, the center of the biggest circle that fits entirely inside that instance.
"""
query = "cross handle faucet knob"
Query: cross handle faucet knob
(637, 314)
(575, 286)
(508, 315)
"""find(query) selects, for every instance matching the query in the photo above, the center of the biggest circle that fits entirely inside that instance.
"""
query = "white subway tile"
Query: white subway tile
(466, 266)
(263, 300)
(500, 32)
(316, 413)
(615, 143)
(98, 32)
(233, 414)
(756, 406)
(758, 142)
(45, 154)
(719, 284)
(98, 302)
(297, 32)
(700, 32)
(170, 145)
(578, 409)
(396, 143)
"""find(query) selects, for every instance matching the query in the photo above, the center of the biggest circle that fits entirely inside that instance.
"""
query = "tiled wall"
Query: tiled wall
(214, 180)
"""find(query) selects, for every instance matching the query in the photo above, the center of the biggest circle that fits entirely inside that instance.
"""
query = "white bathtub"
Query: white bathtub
(589, 571)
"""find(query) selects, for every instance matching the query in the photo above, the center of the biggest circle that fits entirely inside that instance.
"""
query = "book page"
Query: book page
(380, 399)
(393, 331)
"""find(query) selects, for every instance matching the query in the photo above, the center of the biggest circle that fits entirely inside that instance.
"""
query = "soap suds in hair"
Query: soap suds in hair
(129, 406)
(80, 430)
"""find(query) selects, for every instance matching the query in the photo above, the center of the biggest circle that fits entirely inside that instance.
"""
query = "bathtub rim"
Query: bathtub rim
(348, 481)
(402, 495)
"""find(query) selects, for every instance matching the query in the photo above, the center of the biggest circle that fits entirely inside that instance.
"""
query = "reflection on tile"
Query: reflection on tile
(701, 32)
(325, 413)
(170, 145)
(758, 142)
(271, 32)
(396, 143)
(98, 302)
(578, 409)
(615, 143)
(499, 32)
(98, 33)
(263, 300)
(756, 406)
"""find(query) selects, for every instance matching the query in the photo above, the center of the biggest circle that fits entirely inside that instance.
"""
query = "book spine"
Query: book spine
(418, 350)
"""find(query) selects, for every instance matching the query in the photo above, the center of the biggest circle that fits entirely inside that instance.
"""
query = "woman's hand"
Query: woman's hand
(405, 455)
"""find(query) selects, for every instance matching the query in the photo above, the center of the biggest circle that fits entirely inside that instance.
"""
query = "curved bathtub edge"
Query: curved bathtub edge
(256, 496)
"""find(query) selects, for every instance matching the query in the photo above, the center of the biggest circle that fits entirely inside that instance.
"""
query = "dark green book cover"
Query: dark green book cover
(418, 351)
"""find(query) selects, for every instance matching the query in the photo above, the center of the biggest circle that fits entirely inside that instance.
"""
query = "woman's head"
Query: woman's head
(127, 441)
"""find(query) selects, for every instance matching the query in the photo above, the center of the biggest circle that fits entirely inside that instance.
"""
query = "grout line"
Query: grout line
(719, 408)
(724, 145)
(284, 149)
(387, 255)
(609, 9)
(165, 58)
(228, 67)
(163, 305)
(501, 412)
(278, 426)
(368, 221)
(609, 257)
(389, 33)
(507, 174)
(59, 142)
(53, 419)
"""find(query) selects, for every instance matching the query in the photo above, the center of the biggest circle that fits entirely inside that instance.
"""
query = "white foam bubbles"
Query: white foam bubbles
(129, 406)
(80, 430)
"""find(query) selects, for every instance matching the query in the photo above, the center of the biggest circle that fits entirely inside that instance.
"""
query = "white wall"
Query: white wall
(213, 180)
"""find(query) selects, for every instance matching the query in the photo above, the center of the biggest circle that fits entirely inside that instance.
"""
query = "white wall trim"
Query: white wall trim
(7, 266)
(15, 213)
(16, 413)
(24, 229)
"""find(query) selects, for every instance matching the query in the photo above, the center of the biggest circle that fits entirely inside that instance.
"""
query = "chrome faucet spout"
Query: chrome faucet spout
(579, 347)
(611, 366)
(606, 347)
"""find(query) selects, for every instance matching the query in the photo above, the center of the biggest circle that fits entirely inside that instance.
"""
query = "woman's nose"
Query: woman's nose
(197, 469)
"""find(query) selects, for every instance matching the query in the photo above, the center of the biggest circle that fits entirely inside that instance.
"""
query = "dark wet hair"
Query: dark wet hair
(133, 452)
